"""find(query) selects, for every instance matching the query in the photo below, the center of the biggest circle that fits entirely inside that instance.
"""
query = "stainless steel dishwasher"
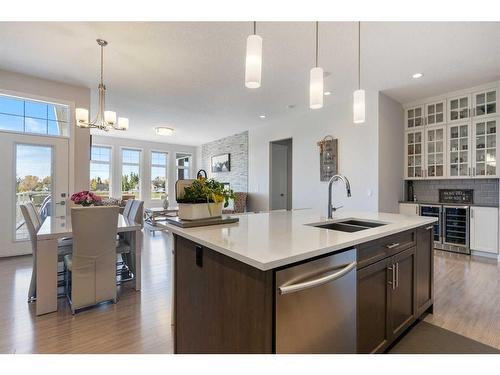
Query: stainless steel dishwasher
(316, 306)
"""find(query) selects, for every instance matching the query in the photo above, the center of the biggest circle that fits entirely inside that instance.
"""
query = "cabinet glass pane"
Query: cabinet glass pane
(431, 171)
(439, 170)
(439, 146)
(480, 128)
(463, 169)
(463, 102)
(491, 141)
(480, 169)
(480, 156)
(410, 138)
(454, 170)
(439, 107)
(439, 117)
(431, 147)
(439, 134)
(491, 108)
(430, 109)
(454, 145)
(491, 127)
(454, 104)
(490, 169)
(418, 161)
(411, 149)
(491, 96)
(418, 137)
(463, 131)
(480, 99)
(480, 142)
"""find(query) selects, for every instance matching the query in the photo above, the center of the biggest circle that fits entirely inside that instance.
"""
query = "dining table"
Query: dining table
(56, 227)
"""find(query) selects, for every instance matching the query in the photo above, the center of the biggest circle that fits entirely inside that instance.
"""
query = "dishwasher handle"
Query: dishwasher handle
(316, 282)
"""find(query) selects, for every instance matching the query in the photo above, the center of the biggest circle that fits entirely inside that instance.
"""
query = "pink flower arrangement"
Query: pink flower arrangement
(85, 198)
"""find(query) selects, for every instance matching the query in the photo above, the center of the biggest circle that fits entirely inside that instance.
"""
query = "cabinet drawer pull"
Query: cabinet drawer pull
(429, 227)
(397, 275)
(393, 280)
(393, 245)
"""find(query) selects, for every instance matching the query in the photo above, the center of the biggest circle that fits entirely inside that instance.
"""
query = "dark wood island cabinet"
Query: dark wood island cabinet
(223, 305)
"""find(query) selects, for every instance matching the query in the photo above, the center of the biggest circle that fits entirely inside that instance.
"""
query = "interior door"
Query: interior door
(34, 168)
(279, 176)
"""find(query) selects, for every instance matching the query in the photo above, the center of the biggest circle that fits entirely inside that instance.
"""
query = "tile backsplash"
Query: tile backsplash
(485, 190)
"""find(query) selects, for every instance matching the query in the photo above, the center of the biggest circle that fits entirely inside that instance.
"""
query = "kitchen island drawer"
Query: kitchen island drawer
(373, 251)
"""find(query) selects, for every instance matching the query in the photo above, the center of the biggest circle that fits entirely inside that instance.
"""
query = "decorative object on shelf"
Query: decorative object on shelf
(202, 198)
(253, 61)
(358, 107)
(105, 120)
(316, 81)
(328, 157)
(164, 201)
(221, 163)
(85, 198)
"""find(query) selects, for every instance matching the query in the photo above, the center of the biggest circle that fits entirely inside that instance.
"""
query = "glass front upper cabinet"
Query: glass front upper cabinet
(435, 156)
(485, 103)
(414, 154)
(458, 147)
(435, 113)
(415, 117)
(459, 108)
(485, 148)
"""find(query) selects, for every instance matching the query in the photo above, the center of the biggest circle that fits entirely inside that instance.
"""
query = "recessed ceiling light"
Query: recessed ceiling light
(262, 116)
(327, 93)
(163, 130)
(417, 75)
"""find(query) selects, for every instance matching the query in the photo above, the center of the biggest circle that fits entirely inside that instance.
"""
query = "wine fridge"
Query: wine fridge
(455, 235)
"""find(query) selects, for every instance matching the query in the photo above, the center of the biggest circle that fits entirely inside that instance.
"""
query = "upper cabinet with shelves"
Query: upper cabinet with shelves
(485, 103)
(435, 113)
(415, 117)
(453, 136)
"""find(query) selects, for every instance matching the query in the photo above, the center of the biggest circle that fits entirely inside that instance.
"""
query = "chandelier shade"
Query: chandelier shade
(253, 62)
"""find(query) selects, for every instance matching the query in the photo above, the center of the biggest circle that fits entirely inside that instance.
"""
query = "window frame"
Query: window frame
(139, 164)
(177, 167)
(151, 165)
(43, 99)
(104, 162)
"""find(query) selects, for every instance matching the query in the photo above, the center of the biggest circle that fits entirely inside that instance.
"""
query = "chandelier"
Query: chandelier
(104, 120)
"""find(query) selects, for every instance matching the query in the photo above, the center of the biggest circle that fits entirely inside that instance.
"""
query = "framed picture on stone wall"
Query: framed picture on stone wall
(221, 163)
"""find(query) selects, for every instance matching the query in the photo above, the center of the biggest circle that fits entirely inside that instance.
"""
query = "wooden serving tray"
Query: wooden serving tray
(202, 222)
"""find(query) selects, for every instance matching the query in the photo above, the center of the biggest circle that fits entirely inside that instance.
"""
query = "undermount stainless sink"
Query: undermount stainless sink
(351, 225)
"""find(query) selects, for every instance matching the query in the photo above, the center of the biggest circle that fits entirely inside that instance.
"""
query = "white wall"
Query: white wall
(358, 155)
(145, 172)
(29, 86)
(390, 155)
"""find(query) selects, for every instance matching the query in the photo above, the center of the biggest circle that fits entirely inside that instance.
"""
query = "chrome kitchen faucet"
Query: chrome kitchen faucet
(334, 178)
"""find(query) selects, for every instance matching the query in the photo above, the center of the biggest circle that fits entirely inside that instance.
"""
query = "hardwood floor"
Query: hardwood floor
(467, 297)
(138, 323)
(467, 301)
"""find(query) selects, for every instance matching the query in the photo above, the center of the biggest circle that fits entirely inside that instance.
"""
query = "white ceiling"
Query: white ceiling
(190, 75)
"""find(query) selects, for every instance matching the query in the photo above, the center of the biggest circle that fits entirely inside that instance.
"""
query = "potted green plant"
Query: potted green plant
(203, 198)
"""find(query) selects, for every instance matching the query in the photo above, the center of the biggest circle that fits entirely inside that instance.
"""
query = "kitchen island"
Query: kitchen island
(278, 283)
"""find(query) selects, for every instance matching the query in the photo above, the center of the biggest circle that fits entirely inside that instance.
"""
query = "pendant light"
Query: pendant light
(358, 107)
(253, 63)
(316, 82)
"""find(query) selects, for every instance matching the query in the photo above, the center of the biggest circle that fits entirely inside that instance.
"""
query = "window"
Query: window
(159, 184)
(36, 117)
(183, 164)
(131, 166)
(100, 171)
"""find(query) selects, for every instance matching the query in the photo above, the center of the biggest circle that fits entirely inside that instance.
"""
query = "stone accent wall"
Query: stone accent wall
(485, 190)
(237, 146)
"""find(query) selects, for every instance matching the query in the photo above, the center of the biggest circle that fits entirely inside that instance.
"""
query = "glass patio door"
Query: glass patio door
(35, 169)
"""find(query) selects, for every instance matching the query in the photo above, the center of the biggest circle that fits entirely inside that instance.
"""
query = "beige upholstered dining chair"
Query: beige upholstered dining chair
(91, 269)
(33, 222)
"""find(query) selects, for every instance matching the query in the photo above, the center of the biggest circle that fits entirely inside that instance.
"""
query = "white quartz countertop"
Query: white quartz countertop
(270, 240)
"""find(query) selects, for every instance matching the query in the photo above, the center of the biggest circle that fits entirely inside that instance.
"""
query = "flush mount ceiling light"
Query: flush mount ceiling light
(358, 107)
(163, 130)
(316, 82)
(328, 93)
(253, 62)
(417, 75)
(105, 120)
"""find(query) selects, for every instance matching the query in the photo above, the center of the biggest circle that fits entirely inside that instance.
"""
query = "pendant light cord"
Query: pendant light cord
(359, 55)
(317, 43)
(254, 27)
(102, 52)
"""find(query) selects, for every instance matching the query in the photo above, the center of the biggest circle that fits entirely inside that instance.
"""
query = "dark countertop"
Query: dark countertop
(452, 204)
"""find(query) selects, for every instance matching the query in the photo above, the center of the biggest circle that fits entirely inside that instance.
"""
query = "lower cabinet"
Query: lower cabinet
(393, 292)
(425, 268)
(373, 303)
(484, 229)
(402, 292)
